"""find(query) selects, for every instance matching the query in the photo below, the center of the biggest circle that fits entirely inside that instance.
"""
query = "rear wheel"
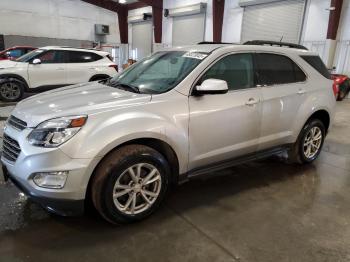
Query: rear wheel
(11, 90)
(309, 143)
(130, 184)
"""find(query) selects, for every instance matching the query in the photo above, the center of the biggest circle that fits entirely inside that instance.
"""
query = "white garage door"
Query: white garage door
(273, 21)
(188, 30)
(141, 39)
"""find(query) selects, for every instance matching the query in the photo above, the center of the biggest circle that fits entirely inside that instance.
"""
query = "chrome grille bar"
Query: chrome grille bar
(16, 123)
(11, 148)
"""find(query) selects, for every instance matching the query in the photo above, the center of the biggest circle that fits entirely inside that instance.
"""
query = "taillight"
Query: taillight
(114, 66)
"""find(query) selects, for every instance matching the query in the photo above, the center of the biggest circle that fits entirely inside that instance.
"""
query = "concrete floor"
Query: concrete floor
(262, 211)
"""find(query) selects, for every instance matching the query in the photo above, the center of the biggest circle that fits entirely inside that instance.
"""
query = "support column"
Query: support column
(218, 18)
(333, 24)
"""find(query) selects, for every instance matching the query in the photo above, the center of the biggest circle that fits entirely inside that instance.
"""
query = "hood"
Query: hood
(8, 63)
(82, 99)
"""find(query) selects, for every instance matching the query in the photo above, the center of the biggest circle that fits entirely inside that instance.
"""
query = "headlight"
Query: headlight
(55, 132)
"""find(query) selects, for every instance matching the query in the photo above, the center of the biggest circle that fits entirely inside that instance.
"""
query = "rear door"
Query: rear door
(51, 72)
(82, 66)
(283, 85)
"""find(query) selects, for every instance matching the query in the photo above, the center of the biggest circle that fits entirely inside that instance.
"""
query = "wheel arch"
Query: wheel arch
(98, 77)
(323, 116)
(157, 144)
(18, 77)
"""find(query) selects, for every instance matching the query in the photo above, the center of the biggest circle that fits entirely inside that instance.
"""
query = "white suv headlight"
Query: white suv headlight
(55, 132)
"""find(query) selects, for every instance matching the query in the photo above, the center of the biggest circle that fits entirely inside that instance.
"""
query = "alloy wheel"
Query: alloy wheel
(137, 188)
(312, 142)
(10, 90)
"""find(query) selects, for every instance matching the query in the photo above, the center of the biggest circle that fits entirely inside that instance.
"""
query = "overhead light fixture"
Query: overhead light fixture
(122, 1)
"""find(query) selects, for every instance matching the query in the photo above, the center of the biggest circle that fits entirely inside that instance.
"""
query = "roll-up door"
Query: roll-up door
(142, 39)
(188, 30)
(273, 21)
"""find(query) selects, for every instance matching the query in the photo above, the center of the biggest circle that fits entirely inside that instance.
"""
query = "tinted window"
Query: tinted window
(277, 69)
(52, 57)
(236, 70)
(82, 57)
(316, 63)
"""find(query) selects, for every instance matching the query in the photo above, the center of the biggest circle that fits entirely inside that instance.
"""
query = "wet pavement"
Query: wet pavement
(261, 211)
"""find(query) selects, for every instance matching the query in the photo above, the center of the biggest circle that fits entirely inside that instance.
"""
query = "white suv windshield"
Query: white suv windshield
(160, 72)
(27, 57)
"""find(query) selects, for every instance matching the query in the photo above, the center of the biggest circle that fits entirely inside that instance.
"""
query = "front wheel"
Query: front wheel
(309, 143)
(11, 90)
(130, 184)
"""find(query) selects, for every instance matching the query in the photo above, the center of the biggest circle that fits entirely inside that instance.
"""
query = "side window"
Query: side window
(52, 57)
(317, 64)
(236, 70)
(277, 69)
(82, 57)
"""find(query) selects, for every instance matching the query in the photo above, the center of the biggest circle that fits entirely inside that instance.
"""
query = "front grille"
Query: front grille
(16, 123)
(11, 149)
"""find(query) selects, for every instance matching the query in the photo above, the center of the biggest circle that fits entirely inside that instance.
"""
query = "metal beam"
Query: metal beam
(136, 5)
(218, 17)
(334, 17)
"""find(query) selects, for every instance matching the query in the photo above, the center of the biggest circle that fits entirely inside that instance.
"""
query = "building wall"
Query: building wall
(55, 19)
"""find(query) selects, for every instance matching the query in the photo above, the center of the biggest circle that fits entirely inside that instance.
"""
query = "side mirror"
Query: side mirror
(36, 61)
(212, 86)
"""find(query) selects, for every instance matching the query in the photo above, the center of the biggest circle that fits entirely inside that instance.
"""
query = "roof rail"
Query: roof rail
(213, 43)
(275, 43)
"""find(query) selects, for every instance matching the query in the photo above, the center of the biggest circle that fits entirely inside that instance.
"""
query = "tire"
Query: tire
(299, 151)
(113, 177)
(11, 90)
(341, 95)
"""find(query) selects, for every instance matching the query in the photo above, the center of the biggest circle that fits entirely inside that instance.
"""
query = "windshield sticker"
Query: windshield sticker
(195, 55)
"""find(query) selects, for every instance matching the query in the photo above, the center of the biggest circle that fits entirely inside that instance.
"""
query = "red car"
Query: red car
(341, 86)
(13, 53)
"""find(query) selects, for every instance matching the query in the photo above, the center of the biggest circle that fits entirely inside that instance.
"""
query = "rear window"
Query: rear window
(82, 57)
(317, 64)
(276, 69)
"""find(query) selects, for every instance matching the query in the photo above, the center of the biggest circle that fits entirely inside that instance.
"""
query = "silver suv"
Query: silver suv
(121, 143)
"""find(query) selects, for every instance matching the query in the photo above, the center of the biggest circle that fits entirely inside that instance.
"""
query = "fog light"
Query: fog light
(54, 180)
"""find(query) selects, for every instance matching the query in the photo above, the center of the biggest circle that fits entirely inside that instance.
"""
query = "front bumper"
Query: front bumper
(62, 207)
(66, 201)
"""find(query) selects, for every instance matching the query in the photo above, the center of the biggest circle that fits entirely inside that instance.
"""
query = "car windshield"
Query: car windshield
(27, 57)
(158, 73)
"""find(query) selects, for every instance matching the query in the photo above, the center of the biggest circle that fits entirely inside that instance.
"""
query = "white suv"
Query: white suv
(177, 114)
(52, 67)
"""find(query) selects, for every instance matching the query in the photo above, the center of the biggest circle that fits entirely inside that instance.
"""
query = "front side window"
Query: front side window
(160, 72)
(237, 70)
(276, 69)
(52, 57)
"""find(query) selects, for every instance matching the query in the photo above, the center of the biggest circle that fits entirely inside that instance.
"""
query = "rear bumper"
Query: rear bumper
(63, 207)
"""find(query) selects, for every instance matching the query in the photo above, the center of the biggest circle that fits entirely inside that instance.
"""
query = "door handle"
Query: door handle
(301, 92)
(251, 102)
(59, 68)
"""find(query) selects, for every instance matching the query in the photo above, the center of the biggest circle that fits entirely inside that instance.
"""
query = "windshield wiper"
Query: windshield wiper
(123, 86)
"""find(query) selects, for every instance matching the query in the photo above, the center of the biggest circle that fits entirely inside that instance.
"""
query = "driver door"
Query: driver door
(51, 72)
(225, 126)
